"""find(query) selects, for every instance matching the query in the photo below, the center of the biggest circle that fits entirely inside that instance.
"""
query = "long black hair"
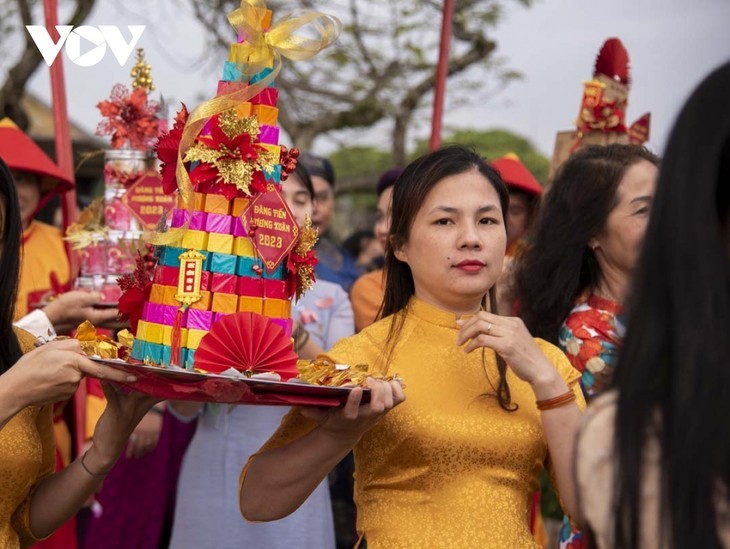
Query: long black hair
(673, 374)
(559, 265)
(10, 241)
(409, 192)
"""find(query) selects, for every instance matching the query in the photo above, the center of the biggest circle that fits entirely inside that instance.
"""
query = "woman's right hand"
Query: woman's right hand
(353, 420)
(52, 373)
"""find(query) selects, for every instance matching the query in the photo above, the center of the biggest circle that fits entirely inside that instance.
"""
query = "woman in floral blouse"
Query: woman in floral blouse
(572, 282)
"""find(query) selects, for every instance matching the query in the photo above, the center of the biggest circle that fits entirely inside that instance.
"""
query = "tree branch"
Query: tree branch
(357, 35)
(18, 75)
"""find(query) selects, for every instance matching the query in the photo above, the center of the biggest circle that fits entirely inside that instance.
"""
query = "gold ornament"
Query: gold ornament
(140, 73)
(232, 125)
(308, 236)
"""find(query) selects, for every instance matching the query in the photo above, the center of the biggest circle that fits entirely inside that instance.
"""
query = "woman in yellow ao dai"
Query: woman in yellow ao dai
(455, 463)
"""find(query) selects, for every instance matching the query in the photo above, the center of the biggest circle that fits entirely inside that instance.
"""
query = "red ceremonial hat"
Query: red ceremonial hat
(516, 175)
(21, 153)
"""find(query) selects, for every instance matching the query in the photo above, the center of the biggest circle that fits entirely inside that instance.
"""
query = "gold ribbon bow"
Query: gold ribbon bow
(261, 49)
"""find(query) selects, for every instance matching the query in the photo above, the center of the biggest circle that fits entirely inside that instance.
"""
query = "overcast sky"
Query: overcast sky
(672, 45)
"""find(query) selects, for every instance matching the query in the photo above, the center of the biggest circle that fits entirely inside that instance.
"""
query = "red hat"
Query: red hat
(516, 175)
(21, 153)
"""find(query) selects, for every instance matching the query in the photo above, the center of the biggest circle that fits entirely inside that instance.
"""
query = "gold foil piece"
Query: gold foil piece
(324, 371)
(90, 228)
(93, 344)
(126, 338)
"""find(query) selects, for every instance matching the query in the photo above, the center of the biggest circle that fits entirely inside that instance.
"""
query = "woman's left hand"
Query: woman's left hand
(122, 414)
(509, 337)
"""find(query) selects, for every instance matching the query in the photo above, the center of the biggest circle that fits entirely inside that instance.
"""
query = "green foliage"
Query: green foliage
(495, 143)
(360, 162)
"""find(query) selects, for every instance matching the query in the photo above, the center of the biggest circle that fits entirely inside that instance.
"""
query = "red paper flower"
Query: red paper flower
(131, 305)
(258, 183)
(129, 118)
(167, 149)
(136, 288)
(238, 147)
(229, 153)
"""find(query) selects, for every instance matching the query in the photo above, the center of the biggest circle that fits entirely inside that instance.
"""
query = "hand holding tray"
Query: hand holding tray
(180, 384)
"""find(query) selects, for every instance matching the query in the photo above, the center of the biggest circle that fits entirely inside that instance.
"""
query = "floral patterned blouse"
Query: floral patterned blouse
(591, 337)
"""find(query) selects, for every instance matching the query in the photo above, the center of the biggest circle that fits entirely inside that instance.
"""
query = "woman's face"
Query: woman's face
(297, 198)
(617, 247)
(382, 216)
(28, 187)
(517, 215)
(324, 209)
(457, 242)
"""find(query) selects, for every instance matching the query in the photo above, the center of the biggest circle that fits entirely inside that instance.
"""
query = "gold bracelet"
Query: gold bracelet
(95, 475)
(556, 402)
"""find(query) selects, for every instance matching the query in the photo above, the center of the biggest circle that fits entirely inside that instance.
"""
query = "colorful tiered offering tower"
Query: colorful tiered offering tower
(232, 245)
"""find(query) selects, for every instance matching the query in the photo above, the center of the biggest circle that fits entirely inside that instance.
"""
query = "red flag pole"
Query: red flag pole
(62, 131)
(64, 158)
(441, 73)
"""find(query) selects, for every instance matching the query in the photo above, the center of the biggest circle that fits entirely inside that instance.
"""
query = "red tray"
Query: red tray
(175, 384)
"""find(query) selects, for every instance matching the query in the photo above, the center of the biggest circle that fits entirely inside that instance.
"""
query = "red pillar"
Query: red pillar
(64, 159)
(62, 130)
(441, 74)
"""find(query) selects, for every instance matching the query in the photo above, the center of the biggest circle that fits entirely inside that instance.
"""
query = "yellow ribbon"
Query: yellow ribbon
(262, 49)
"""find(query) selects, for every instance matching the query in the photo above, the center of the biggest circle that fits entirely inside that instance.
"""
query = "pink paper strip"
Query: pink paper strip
(218, 223)
(238, 229)
(199, 320)
(269, 134)
(285, 324)
(197, 222)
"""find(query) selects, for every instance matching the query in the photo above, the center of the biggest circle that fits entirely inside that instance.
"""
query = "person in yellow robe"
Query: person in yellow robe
(35, 501)
(42, 307)
(452, 460)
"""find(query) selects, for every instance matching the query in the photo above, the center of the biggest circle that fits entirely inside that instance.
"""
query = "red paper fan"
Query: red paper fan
(246, 342)
(613, 61)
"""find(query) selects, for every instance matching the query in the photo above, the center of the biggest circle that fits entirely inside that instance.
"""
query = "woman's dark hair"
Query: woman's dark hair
(319, 166)
(302, 175)
(559, 264)
(409, 193)
(673, 374)
(12, 234)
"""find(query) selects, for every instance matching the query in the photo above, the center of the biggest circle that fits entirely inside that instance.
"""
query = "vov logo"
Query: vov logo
(99, 38)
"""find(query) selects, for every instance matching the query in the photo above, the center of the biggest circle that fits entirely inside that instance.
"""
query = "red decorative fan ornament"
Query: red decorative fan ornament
(613, 61)
(248, 342)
